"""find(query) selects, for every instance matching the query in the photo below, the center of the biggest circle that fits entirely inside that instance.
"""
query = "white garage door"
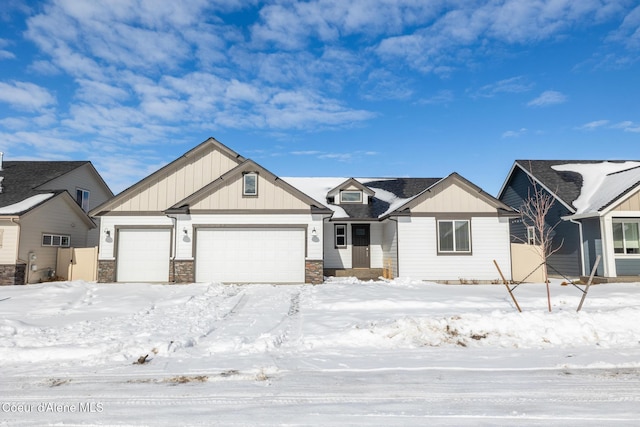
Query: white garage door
(250, 255)
(143, 255)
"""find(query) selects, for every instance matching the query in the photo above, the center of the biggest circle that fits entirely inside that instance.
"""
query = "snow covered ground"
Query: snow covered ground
(389, 353)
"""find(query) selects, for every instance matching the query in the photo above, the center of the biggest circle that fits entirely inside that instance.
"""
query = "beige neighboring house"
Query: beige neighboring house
(214, 216)
(44, 206)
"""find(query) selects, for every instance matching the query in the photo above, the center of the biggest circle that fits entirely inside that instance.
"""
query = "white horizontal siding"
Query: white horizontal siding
(418, 257)
(390, 245)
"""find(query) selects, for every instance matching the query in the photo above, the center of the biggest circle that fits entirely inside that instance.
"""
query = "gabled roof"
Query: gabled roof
(351, 182)
(246, 166)
(471, 187)
(584, 186)
(389, 193)
(184, 159)
(24, 179)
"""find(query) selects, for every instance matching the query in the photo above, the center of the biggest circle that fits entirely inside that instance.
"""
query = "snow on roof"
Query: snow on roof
(601, 182)
(26, 204)
(318, 188)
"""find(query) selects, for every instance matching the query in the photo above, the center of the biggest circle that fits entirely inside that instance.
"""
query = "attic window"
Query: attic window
(250, 184)
(350, 196)
(82, 197)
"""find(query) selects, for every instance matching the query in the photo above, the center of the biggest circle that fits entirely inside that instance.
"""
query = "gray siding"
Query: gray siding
(566, 260)
(628, 267)
(592, 244)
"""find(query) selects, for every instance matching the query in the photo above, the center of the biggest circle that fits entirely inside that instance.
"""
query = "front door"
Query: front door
(361, 240)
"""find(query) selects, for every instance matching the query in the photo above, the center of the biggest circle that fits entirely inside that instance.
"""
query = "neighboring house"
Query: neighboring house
(597, 210)
(212, 215)
(43, 206)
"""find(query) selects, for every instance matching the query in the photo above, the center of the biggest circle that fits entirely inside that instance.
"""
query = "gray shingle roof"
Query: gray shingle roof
(23, 178)
(566, 185)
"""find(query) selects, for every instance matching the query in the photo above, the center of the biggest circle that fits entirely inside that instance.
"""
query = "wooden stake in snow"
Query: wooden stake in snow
(506, 283)
(586, 289)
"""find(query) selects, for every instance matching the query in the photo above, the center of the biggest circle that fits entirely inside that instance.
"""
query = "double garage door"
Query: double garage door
(238, 255)
(250, 255)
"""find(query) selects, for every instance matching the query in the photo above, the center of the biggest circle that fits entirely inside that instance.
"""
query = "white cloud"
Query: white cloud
(26, 96)
(514, 133)
(549, 97)
(594, 125)
(629, 31)
(627, 126)
(516, 84)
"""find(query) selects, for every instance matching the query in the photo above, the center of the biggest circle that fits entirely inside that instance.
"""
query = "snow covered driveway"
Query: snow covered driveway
(342, 353)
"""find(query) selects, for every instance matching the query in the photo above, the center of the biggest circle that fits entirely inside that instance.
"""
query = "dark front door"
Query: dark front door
(360, 239)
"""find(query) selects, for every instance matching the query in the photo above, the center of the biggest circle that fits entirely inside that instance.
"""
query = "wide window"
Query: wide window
(351, 196)
(341, 235)
(82, 197)
(250, 184)
(626, 237)
(55, 240)
(454, 236)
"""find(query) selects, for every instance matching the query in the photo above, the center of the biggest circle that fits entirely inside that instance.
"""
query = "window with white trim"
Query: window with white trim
(350, 196)
(250, 184)
(341, 235)
(626, 237)
(454, 236)
(82, 197)
(56, 240)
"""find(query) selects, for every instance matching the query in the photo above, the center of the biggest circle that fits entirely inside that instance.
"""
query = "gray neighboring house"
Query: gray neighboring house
(598, 209)
(43, 206)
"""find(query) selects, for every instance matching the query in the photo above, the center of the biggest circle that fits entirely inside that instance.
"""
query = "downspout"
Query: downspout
(582, 260)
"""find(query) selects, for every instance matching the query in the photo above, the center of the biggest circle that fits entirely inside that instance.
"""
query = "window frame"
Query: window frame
(454, 251)
(245, 176)
(358, 192)
(336, 235)
(64, 240)
(625, 250)
(531, 235)
(83, 201)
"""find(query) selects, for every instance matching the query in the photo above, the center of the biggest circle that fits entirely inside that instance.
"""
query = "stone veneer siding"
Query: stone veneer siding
(313, 272)
(106, 271)
(182, 271)
(12, 274)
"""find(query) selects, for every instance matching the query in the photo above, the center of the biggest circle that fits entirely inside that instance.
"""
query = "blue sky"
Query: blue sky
(370, 88)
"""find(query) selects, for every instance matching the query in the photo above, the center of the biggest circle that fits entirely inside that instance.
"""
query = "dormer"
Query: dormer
(350, 192)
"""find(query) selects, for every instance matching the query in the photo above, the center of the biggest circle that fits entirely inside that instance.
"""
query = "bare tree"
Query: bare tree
(533, 212)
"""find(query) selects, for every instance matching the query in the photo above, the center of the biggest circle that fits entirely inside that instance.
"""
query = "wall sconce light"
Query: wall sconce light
(314, 233)
(107, 232)
(185, 231)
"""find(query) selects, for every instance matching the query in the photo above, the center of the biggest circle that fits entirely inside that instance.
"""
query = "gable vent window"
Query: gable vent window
(56, 240)
(351, 196)
(250, 184)
(82, 197)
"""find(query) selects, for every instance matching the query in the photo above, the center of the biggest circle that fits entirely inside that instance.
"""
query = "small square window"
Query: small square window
(250, 184)
(454, 236)
(341, 235)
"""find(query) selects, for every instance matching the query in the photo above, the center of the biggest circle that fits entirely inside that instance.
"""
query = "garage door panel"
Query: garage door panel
(250, 255)
(143, 255)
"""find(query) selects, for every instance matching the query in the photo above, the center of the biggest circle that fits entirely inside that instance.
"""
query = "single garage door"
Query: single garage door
(250, 255)
(143, 255)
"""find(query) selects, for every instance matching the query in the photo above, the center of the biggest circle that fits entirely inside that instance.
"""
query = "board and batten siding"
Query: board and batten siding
(630, 204)
(229, 197)
(176, 183)
(419, 258)
(452, 198)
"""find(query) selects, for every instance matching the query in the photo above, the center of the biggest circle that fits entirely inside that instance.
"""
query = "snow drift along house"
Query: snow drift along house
(212, 215)
(598, 209)
(43, 206)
